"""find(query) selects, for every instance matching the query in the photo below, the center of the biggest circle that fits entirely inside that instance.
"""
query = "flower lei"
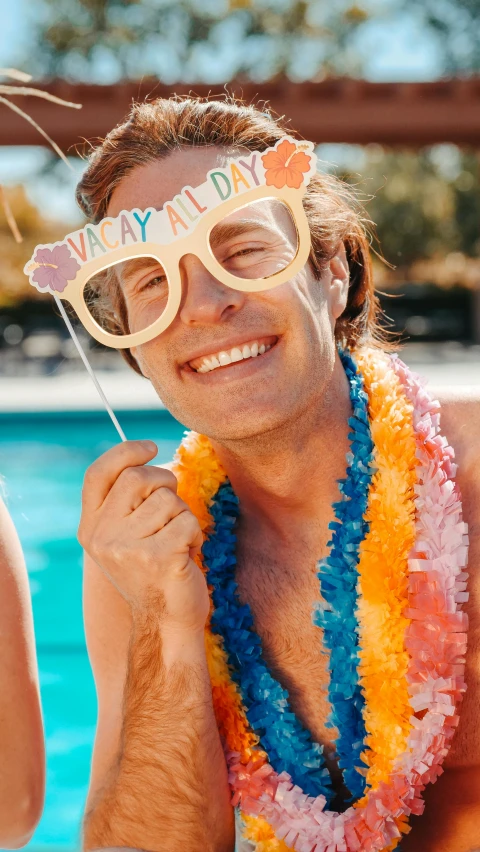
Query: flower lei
(281, 735)
(338, 575)
(266, 704)
(412, 634)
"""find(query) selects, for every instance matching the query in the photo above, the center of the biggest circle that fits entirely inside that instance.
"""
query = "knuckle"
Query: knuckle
(188, 522)
(117, 551)
(108, 549)
(82, 534)
(97, 541)
(165, 498)
(169, 479)
(132, 477)
(127, 448)
(90, 476)
(93, 546)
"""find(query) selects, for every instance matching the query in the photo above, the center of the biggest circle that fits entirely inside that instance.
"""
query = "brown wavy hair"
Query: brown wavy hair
(154, 129)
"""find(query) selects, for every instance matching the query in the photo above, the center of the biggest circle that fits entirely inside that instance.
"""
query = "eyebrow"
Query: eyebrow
(226, 230)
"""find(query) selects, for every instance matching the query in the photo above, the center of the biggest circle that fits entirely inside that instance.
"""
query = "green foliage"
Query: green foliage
(216, 40)
(456, 25)
(14, 284)
(192, 40)
(424, 204)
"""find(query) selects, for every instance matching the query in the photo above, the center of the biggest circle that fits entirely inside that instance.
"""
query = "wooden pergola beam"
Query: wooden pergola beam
(335, 110)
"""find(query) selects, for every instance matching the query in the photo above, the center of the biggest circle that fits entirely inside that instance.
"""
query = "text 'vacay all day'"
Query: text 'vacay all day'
(174, 219)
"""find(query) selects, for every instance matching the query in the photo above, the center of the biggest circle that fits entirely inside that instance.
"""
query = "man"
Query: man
(277, 422)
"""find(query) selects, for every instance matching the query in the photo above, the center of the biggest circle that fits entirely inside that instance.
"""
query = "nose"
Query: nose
(205, 300)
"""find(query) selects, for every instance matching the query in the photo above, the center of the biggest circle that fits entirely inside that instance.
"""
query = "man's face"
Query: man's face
(290, 326)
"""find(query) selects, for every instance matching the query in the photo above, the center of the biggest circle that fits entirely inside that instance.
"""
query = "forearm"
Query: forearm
(168, 789)
(22, 774)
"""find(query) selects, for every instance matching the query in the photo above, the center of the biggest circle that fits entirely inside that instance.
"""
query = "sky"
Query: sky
(395, 48)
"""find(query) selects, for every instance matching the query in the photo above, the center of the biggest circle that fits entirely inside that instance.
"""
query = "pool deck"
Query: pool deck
(449, 368)
(75, 391)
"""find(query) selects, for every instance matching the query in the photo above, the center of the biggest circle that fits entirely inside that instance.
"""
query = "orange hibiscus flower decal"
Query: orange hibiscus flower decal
(285, 166)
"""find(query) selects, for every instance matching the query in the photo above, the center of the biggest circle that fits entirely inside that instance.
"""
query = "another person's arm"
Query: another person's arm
(159, 779)
(22, 755)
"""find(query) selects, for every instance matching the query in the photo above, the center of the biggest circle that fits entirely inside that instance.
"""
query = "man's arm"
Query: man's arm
(22, 765)
(159, 779)
(164, 789)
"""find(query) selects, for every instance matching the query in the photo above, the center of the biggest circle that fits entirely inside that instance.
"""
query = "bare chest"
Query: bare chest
(281, 592)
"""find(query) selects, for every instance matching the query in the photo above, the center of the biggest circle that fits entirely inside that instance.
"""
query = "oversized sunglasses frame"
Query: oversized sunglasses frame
(168, 255)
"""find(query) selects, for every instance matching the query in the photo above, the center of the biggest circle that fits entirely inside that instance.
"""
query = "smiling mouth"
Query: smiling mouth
(253, 349)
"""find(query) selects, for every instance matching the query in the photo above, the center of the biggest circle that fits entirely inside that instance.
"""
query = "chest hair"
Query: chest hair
(281, 591)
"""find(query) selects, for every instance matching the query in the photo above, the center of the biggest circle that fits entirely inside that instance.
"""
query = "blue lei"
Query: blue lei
(338, 576)
(286, 741)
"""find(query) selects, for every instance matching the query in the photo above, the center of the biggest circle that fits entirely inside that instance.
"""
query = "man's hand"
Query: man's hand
(143, 536)
(165, 786)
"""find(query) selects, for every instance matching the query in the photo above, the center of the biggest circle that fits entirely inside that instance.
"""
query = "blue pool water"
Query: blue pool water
(43, 458)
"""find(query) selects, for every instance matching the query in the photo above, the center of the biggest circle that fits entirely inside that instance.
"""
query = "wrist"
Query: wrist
(183, 645)
(179, 642)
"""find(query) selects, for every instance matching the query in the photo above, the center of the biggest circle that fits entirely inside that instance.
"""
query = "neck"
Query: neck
(284, 476)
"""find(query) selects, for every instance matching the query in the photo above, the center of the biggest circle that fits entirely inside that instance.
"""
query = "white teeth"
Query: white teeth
(221, 359)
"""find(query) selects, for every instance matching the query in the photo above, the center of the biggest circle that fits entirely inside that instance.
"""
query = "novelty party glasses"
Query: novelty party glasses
(246, 223)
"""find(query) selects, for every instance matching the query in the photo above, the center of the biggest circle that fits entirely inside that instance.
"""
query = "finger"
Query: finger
(155, 513)
(134, 486)
(181, 534)
(102, 475)
(104, 472)
(196, 550)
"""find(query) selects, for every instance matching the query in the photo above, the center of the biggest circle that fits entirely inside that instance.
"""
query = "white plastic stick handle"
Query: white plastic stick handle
(89, 368)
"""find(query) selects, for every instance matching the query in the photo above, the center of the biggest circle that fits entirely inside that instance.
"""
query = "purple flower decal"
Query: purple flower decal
(55, 269)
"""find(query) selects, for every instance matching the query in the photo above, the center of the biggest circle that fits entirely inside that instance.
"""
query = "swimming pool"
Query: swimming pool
(43, 458)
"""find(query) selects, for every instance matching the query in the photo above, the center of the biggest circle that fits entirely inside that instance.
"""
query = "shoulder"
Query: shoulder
(460, 423)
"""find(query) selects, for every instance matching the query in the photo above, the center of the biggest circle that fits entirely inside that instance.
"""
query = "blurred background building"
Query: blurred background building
(389, 90)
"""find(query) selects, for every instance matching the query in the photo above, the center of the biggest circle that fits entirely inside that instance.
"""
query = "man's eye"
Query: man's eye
(157, 281)
(245, 251)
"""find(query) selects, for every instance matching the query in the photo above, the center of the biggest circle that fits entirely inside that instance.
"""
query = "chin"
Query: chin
(234, 431)
(228, 424)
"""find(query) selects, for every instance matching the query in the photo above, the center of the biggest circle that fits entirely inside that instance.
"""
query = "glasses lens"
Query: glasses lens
(128, 296)
(257, 240)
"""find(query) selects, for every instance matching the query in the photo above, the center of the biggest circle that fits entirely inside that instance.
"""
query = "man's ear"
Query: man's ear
(339, 281)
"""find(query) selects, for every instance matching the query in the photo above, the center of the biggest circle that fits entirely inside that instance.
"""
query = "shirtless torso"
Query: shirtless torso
(280, 584)
(281, 587)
